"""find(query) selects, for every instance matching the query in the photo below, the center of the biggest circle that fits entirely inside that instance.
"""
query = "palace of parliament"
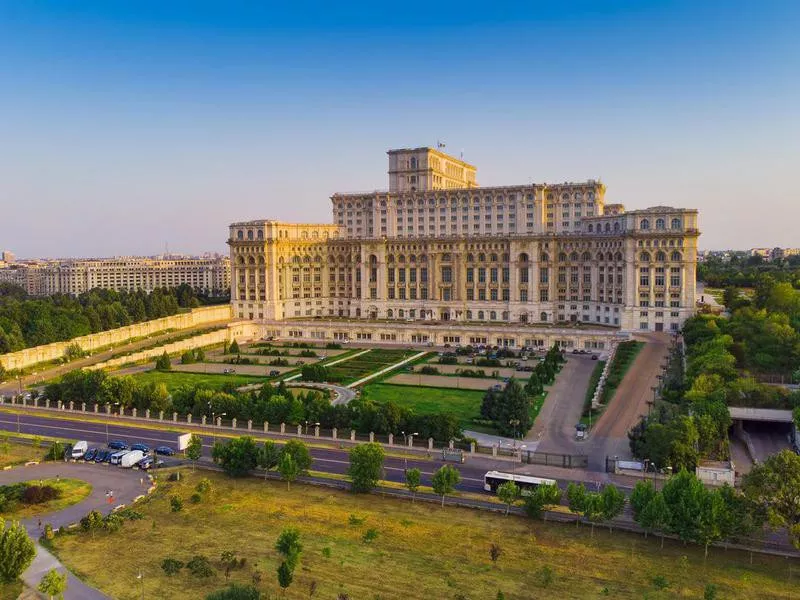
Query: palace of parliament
(436, 258)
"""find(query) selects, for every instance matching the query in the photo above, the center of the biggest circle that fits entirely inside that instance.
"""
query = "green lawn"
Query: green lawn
(12, 453)
(72, 492)
(466, 404)
(174, 379)
(370, 362)
(414, 551)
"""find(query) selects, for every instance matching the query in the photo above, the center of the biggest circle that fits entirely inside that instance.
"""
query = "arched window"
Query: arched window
(412, 258)
(523, 258)
(660, 256)
(505, 315)
(401, 258)
(481, 257)
(660, 223)
(644, 224)
(260, 234)
(389, 313)
(676, 256)
(493, 258)
(469, 315)
(413, 162)
(480, 315)
(470, 258)
(240, 235)
(505, 257)
(543, 317)
(616, 226)
(644, 257)
(544, 257)
(251, 260)
(390, 258)
(373, 260)
(608, 228)
(586, 256)
(446, 257)
(240, 260)
(591, 228)
(423, 258)
(609, 256)
(493, 315)
(618, 256)
(573, 256)
(676, 224)
(599, 256)
(562, 257)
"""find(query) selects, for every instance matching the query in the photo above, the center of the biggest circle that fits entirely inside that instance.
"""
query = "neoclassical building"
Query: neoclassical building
(437, 247)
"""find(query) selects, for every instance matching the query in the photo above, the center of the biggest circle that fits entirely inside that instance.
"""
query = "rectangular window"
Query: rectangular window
(482, 275)
(523, 275)
(423, 293)
(493, 274)
(493, 293)
(506, 275)
(470, 294)
(544, 295)
(423, 274)
(447, 274)
(402, 293)
(470, 275)
(481, 294)
(506, 295)
(412, 275)
(523, 295)
(401, 274)
(391, 293)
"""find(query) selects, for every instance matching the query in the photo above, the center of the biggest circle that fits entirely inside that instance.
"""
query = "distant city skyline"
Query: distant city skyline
(132, 126)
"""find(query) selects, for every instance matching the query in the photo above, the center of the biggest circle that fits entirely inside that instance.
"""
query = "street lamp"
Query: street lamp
(140, 577)
(405, 443)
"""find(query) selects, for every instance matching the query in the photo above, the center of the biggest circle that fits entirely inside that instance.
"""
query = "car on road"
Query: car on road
(90, 454)
(165, 451)
(274, 373)
(228, 371)
(117, 445)
(143, 447)
(580, 431)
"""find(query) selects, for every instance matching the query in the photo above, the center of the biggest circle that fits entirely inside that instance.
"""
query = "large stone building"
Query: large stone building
(75, 276)
(436, 247)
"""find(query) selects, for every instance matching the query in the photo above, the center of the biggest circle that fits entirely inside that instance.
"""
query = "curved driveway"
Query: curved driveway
(125, 485)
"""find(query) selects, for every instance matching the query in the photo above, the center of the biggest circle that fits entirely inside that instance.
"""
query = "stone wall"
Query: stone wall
(89, 343)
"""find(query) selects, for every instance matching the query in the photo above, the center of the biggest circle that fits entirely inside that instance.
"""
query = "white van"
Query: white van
(131, 458)
(79, 449)
(117, 456)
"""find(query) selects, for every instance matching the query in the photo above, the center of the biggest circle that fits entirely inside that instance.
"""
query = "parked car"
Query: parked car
(594, 356)
(576, 351)
(101, 456)
(143, 447)
(145, 463)
(274, 373)
(165, 450)
(90, 454)
(117, 445)
(79, 449)
(228, 371)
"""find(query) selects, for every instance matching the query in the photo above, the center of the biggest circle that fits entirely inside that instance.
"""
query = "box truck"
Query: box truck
(117, 456)
(131, 458)
(79, 449)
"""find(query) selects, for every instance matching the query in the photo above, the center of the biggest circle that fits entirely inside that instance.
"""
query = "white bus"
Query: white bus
(526, 483)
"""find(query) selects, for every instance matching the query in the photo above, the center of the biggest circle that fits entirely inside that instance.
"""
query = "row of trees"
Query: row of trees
(509, 409)
(743, 270)
(26, 322)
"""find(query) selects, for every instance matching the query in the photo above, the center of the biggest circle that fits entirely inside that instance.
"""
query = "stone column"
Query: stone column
(250, 425)
(24, 401)
(133, 413)
(71, 405)
(450, 445)
(371, 436)
(203, 420)
(299, 430)
(47, 403)
(411, 441)
(108, 409)
(233, 423)
(391, 439)
(161, 415)
(430, 444)
(175, 417)
(334, 433)
(96, 408)
(266, 426)
(59, 405)
(283, 427)
(352, 435)
(472, 447)
(219, 421)
(494, 450)
(147, 413)
(83, 406)
(316, 430)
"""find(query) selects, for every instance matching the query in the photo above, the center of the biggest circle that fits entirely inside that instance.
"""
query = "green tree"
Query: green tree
(509, 494)
(163, 363)
(285, 575)
(366, 466)
(237, 457)
(773, 487)
(612, 503)
(53, 584)
(268, 456)
(541, 499)
(194, 449)
(576, 499)
(289, 546)
(236, 592)
(514, 410)
(92, 522)
(643, 492)
(413, 481)
(445, 480)
(233, 348)
(710, 520)
(187, 358)
(300, 454)
(684, 495)
(17, 551)
(655, 516)
(288, 469)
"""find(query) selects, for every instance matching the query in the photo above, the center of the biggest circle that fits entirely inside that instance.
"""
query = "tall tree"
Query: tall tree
(413, 479)
(366, 466)
(268, 457)
(576, 498)
(541, 499)
(53, 584)
(774, 489)
(194, 449)
(17, 551)
(288, 468)
(643, 492)
(508, 493)
(237, 457)
(612, 503)
(300, 454)
(655, 515)
(445, 480)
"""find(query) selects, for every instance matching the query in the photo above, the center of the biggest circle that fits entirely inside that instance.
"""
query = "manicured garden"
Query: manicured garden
(211, 381)
(367, 547)
(31, 498)
(374, 360)
(465, 404)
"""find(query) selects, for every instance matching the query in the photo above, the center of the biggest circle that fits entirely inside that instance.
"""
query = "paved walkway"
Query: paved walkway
(387, 369)
(123, 482)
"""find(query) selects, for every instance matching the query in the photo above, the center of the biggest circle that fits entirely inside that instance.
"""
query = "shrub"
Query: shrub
(49, 534)
(196, 498)
(39, 494)
(175, 504)
(448, 360)
(660, 582)
(355, 521)
(199, 566)
(429, 370)
(113, 522)
(326, 552)
(176, 476)
(171, 566)
(369, 536)
(545, 576)
(204, 485)
(131, 514)
(278, 362)
(55, 452)
(308, 354)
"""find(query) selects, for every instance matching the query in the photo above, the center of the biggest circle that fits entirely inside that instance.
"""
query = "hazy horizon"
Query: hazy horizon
(128, 127)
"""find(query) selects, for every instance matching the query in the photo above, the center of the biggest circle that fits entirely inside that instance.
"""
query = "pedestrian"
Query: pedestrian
(40, 524)
(58, 477)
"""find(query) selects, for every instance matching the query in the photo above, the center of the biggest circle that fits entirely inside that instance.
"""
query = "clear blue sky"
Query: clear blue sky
(125, 125)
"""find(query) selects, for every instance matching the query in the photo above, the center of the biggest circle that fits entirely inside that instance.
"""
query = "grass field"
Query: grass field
(12, 454)
(465, 404)
(361, 366)
(10, 591)
(72, 492)
(414, 551)
(207, 380)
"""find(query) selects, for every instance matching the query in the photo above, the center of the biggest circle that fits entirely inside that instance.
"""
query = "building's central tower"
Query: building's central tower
(423, 169)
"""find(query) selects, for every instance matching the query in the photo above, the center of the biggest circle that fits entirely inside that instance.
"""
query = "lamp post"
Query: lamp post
(140, 577)
(405, 443)
(107, 438)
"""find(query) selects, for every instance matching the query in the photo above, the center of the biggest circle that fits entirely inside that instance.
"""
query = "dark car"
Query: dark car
(165, 450)
(101, 456)
(274, 373)
(118, 445)
(90, 454)
(67, 451)
(108, 456)
(576, 351)
(594, 356)
(145, 463)
(143, 447)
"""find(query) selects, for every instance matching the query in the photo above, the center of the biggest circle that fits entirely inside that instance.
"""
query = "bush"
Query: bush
(333, 346)
(278, 362)
(429, 370)
(55, 452)
(187, 358)
(163, 363)
(171, 566)
(308, 354)
(660, 582)
(236, 592)
(369, 536)
(448, 360)
(176, 476)
(195, 498)
(471, 373)
(204, 485)
(113, 522)
(199, 566)
(49, 534)
(131, 514)
(36, 494)
(175, 504)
